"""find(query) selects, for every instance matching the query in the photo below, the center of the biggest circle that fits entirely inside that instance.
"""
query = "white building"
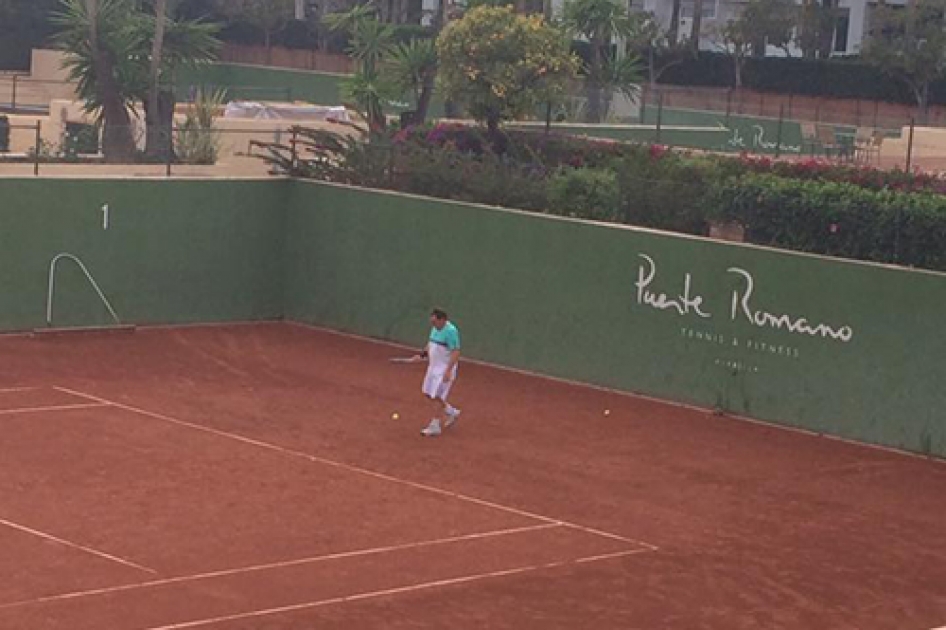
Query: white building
(852, 25)
(853, 22)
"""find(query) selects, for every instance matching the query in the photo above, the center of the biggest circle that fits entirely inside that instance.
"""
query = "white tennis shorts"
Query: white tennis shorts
(434, 387)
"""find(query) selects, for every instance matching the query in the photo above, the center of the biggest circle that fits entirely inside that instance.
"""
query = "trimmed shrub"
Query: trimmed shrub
(589, 193)
(839, 78)
(836, 219)
(665, 190)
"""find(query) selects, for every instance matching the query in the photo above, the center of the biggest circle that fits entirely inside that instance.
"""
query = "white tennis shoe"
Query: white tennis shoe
(432, 429)
(452, 417)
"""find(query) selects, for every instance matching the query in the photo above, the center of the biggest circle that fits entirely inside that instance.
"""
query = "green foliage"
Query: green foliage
(109, 56)
(770, 22)
(501, 65)
(600, 22)
(910, 44)
(836, 218)
(488, 178)
(370, 41)
(860, 213)
(413, 68)
(268, 16)
(80, 139)
(120, 39)
(589, 193)
(816, 26)
(196, 141)
(665, 190)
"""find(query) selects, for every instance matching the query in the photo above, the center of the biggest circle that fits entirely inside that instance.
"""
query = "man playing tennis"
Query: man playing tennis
(443, 354)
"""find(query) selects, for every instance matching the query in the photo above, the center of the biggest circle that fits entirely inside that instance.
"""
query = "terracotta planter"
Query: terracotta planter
(729, 231)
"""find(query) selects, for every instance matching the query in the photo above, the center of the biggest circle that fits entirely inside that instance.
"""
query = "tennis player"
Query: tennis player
(443, 354)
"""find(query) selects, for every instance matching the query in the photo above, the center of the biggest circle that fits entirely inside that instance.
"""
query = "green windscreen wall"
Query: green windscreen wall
(842, 348)
(173, 251)
(849, 349)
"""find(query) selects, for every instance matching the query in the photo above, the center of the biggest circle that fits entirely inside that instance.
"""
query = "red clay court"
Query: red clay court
(251, 478)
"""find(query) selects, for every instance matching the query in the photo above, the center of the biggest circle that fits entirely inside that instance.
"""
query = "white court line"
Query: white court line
(89, 550)
(361, 471)
(52, 408)
(385, 593)
(10, 390)
(280, 565)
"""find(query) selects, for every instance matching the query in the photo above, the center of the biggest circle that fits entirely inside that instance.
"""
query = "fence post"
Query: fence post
(170, 150)
(778, 136)
(910, 145)
(38, 147)
(791, 98)
(728, 105)
(13, 104)
(660, 112)
(643, 112)
(295, 151)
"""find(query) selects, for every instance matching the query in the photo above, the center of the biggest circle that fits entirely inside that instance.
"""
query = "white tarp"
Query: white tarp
(284, 111)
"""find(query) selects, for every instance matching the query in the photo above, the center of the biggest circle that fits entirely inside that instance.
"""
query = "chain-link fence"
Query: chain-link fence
(866, 133)
(38, 149)
(23, 94)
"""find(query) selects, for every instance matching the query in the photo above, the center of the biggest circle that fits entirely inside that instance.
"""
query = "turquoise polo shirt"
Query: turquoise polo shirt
(448, 336)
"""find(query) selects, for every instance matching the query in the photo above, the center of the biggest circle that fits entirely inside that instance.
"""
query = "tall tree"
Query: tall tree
(600, 22)
(674, 31)
(697, 27)
(910, 45)
(99, 41)
(371, 40)
(168, 44)
(654, 43)
(737, 42)
(502, 65)
(154, 72)
(770, 23)
(414, 69)
(816, 25)
(269, 16)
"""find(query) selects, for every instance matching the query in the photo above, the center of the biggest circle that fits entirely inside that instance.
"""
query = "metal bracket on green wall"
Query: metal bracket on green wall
(52, 287)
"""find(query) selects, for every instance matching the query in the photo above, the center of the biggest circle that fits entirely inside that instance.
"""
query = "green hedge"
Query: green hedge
(836, 219)
(860, 213)
(840, 78)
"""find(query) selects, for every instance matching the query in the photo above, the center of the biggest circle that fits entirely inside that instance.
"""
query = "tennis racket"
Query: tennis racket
(414, 359)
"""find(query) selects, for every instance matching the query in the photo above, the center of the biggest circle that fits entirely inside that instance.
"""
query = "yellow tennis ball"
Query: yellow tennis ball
(607, 412)
(394, 416)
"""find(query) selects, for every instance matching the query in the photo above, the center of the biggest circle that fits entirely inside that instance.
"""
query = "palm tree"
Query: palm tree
(414, 69)
(99, 40)
(182, 43)
(370, 41)
(157, 50)
(600, 22)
